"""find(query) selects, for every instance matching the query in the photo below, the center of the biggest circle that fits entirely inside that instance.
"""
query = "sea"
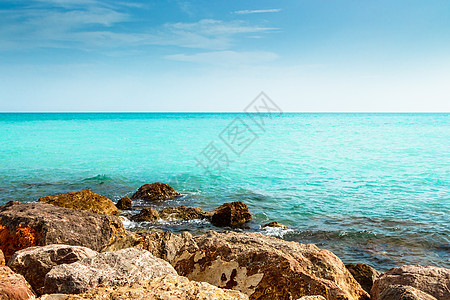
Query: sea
(370, 187)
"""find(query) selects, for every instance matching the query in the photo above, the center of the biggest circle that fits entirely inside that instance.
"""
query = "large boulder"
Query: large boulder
(146, 215)
(265, 267)
(364, 274)
(35, 262)
(230, 214)
(155, 191)
(85, 200)
(13, 286)
(24, 225)
(433, 281)
(117, 268)
(124, 203)
(182, 212)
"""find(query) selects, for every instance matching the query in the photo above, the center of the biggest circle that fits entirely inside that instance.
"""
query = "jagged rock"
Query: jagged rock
(266, 267)
(124, 203)
(146, 215)
(230, 214)
(35, 262)
(84, 200)
(167, 245)
(433, 281)
(110, 268)
(364, 274)
(155, 191)
(182, 212)
(124, 241)
(24, 225)
(2, 258)
(317, 297)
(404, 292)
(275, 224)
(13, 286)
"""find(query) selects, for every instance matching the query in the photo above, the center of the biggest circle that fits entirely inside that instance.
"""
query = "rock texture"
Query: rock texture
(312, 298)
(146, 215)
(230, 214)
(266, 268)
(124, 203)
(433, 281)
(155, 191)
(35, 262)
(13, 286)
(124, 241)
(364, 274)
(182, 212)
(404, 292)
(2, 258)
(23, 225)
(111, 268)
(167, 245)
(275, 224)
(84, 200)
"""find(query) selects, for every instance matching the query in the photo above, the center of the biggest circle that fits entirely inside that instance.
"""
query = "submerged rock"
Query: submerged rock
(230, 214)
(117, 268)
(24, 225)
(13, 286)
(84, 200)
(124, 203)
(35, 262)
(146, 215)
(155, 191)
(182, 212)
(364, 274)
(275, 224)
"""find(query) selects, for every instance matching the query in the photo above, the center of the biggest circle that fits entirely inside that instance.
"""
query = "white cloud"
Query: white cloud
(227, 58)
(257, 11)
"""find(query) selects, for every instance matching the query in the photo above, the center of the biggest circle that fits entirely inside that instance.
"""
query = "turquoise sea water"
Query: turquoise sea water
(372, 188)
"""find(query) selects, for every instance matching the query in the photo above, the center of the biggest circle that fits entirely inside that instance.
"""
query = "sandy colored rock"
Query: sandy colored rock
(84, 200)
(24, 225)
(167, 245)
(35, 262)
(110, 268)
(155, 191)
(275, 224)
(364, 274)
(312, 298)
(230, 214)
(146, 215)
(2, 258)
(404, 292)
(13, 286)
(182, 212)
(126, 240)
(124, 203)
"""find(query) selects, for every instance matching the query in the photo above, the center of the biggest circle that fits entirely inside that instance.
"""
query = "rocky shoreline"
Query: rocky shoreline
(74, 246)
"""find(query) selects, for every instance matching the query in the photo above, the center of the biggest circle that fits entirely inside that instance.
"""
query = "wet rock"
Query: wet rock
(2, 258)
(230, 214)
(24, 225)
(275, 224)
(84, 200)
(182, 212)
(35, 262)
(266, 267)
(124, 203)
(117, 268)
(146, 215)
(433, 281)
(13, 286)
(167, 245)
(364, 274)
(155, 191)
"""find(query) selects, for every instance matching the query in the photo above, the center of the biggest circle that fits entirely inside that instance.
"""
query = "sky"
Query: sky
(307, 56)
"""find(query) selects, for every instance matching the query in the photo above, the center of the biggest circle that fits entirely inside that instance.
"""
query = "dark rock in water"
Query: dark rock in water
(35, 262)
(2, 258)
(364, 274)
(182, 212)
(433, 281)
(85, 200)
(155, 191)
(146, 215)
(13, 286)
(275, 224)
(230, 214)
(24, 225)
(124, 203)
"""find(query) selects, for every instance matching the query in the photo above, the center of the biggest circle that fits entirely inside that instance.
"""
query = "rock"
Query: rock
(230, 214)
(317, 297)
(155, 191)
(433, 281)
(266, 267)
(84, 200)
(146, 215)
(13, 286)
(404, 292)
(110, 268)
(124, 241)
(275, 224)
(35, 262)
(2, 258)
(182, 212)
(364, 274)
(167, 245)
(24, 225)
(124, 203)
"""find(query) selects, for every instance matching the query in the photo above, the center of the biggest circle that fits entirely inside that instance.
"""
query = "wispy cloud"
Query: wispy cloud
(257, 11)
(226, 57)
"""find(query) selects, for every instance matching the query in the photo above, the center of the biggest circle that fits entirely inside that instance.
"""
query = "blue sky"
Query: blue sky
(92, 55)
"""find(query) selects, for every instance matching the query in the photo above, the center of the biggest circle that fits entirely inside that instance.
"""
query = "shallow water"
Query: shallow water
(372, 188)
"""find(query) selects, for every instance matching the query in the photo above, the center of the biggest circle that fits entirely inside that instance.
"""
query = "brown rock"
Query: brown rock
(23, 225)
(433, 281)
(117, 268)
(124, 203)
(404, 292)
(85, 200)
(124, 241)
(155, 191)
(230, 214)
(317, 297)
(275, 224)
(266, 268)
(13, 286)
(2, 258)
(35, 262)
(146, 215)
(167, 245)
(364, 274)
(182, 212)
